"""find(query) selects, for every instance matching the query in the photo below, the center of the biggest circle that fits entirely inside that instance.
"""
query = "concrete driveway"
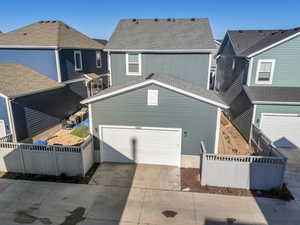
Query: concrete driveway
(138, 176)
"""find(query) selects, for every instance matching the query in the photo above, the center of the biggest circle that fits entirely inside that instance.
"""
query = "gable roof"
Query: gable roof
(168, 82)
(247, 43)
(273, 95)
(48, 34)
(162, 34)
(18, 80)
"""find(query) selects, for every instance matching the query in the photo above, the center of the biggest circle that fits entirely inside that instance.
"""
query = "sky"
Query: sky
(98, 18)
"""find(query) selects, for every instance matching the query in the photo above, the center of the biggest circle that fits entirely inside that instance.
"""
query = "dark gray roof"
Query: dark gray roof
(273, 94)
(162, 34)
(101, 41)
(246, 42)
(17, 80)
(169, 80)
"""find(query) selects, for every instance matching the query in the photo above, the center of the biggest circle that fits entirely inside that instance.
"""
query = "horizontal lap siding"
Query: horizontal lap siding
(196, 118)
(189, 67)
(286, 72)
(4, 114)
(41, 60)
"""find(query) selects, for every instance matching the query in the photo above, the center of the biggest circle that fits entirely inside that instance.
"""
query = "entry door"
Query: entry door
(141, 145)
(2, 128)
(283, 130)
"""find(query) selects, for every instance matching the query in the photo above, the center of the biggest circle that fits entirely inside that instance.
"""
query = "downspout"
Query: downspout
(11, 119)
(58, 70)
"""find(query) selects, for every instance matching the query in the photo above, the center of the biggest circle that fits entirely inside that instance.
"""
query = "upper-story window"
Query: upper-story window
(265, 70)
(98, 59)
(133, 64)
(78, 60)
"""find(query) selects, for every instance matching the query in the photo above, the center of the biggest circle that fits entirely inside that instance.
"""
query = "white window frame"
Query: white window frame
(140, 65)
(98, 66)
(75, 62)
(259, 62)
(150, 93)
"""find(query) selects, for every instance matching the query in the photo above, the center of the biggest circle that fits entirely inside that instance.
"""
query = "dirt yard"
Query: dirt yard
(231, 142)
(64, 137)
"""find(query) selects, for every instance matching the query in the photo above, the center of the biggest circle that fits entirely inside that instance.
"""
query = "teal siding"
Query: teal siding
(190, 67)
(285, 109)
(287, 66)
(197, 119)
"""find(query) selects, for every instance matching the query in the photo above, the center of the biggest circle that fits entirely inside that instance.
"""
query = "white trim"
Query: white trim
(217, 136)
(75, 62)
(249, 72)
(209, 70)
(275, 103)
(252, 122)
(4, 96)
(109, 68)
(28, 46)
(275, 114)
(163, 50)
(218, 56)
(259, 62)
(98, 66)
(11, 119)
(273, 45)
(148, 82)
(140, 65)
(90, 119)
(100, 127)
(74, 80)
(58, 65)
(152, 93)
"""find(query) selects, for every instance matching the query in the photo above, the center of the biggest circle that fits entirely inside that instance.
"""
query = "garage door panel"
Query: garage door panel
(283, 130)
(142, 145)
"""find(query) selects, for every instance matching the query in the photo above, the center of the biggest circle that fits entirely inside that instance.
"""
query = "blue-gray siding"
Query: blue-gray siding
(189, 67)
(67, 65)
(197, 119)
(4, 114)
(41, 60)
(286, 72)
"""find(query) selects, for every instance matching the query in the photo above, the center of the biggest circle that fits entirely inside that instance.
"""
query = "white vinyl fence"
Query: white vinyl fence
(248, 172)
(46, 159)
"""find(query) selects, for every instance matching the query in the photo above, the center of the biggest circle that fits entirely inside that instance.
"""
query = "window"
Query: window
(133, 64)
(78, 60)
(98, 59)
(152, 97)
(265, 70)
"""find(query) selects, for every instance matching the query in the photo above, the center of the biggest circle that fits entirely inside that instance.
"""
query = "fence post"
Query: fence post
(55, 160)
(82, 158)
(22, 158)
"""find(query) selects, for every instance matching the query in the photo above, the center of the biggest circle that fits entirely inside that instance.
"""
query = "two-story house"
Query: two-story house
(258, 76)
(57, 52)
(159, 109)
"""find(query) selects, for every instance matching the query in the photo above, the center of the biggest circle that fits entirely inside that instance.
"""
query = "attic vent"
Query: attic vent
(193, 19)
(155, 19)
(169, 19)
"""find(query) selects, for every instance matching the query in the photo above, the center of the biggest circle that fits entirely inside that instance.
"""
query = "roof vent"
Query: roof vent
(173, 20)
(41, 21)
(24, 34)
(67, 26)
(259, 31)
(54, 21)
(193, 19)
(240, 31)
(149, 76)
(134, 20)
(155, 19)
(297, 28)
(169, 19)
(47, 21)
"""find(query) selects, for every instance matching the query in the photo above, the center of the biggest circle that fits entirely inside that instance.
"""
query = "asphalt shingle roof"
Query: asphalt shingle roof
(246, 42)
(49, 34)
(166, 79)
(273, 94)
(17, 79)
(162, 34)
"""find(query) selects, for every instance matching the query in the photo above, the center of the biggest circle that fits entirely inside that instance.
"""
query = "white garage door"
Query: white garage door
(284, 130)
(140, 145)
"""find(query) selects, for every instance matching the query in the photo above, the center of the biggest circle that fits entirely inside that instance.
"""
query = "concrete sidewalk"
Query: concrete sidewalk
(45, 203)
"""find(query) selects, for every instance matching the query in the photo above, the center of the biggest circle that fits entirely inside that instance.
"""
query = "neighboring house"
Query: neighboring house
(213, 68)
(159, 109)
(31, 102)
(258, 76)
(182, 48)
(59, 52)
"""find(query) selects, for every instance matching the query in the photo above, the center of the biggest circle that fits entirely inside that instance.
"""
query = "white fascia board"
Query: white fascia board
(275, 103)
(29, 46)
(74, 80)
(162, 50)
(148, 82)
(273, 45)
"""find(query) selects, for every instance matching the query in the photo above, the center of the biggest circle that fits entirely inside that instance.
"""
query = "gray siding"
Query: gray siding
(189, 67)
(41, 60)
(4, 114)
(286, 72)
(196, 118)
(67, 65)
